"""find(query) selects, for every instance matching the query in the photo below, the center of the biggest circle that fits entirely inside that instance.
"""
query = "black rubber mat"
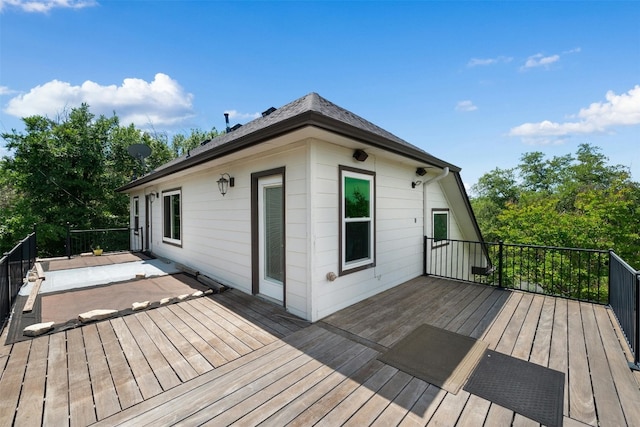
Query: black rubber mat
(526, 388)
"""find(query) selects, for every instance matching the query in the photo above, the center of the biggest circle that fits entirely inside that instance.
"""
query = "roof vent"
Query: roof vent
(226, 120)
(267, 112)
(205, 142)
(235, 127)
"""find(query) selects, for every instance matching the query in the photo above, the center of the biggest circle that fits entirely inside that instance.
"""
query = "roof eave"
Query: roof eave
(307, 118)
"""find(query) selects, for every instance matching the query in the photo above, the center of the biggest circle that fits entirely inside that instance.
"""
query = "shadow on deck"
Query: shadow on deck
(232, 358)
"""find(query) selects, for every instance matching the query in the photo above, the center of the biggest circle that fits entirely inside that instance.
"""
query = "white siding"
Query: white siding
(216, 230)
(399, 229)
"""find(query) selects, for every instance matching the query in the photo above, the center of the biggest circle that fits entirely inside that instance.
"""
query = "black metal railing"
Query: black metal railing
(581, 274)
(624, 298)
(107, 239)
(14, 266)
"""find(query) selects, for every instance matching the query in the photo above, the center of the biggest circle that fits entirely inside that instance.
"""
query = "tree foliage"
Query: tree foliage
(576, 201)
(67, 170)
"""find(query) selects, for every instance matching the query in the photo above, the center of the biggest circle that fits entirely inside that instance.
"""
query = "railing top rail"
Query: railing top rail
(100, 229)
(624, 263)
(559, 248)
(17, 246)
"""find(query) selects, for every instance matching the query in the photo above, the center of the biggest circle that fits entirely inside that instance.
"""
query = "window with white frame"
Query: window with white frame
(440, 226)
(136, 214)
(171, 211)
(357, 219)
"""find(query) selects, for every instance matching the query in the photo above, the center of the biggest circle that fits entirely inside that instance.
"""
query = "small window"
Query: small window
(357, 228)
(136, 215)
(171, 208)
(440, 226)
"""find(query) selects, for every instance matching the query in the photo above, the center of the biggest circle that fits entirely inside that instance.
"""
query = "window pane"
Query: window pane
(274, 245)
(440, 226)
(357, 240)
(167, 216)
(176, 216)
(356, 198)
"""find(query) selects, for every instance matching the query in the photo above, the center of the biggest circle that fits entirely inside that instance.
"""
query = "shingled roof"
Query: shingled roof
(310, 110)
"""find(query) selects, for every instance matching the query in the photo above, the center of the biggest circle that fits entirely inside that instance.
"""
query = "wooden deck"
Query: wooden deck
(231, 359)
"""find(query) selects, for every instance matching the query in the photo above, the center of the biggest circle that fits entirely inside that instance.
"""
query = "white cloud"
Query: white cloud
(44, 6)
(575, 50)
(162, 102)
(476, 62)
(235, 115)
(599, 117)
(539, 60)
(465, 106)
(4, 90)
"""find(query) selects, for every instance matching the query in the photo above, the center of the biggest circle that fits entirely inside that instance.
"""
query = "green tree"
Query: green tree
(67, 170)
(493, 192)
(181, 144)
(567, 201)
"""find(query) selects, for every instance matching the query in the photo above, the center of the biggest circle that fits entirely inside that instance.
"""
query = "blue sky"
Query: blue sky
(474, 83)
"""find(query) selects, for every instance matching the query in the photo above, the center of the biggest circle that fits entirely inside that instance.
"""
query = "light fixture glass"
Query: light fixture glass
(224, 183)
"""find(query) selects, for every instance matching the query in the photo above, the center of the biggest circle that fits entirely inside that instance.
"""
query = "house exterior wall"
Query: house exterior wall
(216, 231)
(449, 260)
(399, 228)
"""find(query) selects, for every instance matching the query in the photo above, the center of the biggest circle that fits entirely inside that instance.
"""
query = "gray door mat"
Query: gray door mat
(437, 356)
(531, 390)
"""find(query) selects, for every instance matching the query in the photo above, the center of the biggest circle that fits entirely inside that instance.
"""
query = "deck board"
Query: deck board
(81, 405)
(356, 367)
(195, 321)
(342, 361)
(145, 377)
(188, 352)
(424, 408)
(104, 390)
(11, 381)
(626, 388)
(56, 399)
(209, 353)
(581, 403)
(379, 400)
(32, 395)
(228, 323)
(275, 382)
(123, 379)
(175, 360)
(604, 391)
(159, 365)
(398, 408)
(199, 397)
(352, 403)
(180, 363)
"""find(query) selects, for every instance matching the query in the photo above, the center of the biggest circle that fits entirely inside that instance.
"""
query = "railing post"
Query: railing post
(609, 276)
(500, 253)
(35, 240)
(68, 241)
(636, 350)
(424, 256)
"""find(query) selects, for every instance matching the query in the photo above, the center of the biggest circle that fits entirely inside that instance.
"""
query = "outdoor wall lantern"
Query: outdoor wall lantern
(225, 182)
(360, 155)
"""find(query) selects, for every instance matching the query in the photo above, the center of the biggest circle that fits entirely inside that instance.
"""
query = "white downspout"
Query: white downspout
(425, 183)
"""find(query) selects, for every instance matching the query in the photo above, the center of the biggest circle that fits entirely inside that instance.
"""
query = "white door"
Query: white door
(271, 237)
